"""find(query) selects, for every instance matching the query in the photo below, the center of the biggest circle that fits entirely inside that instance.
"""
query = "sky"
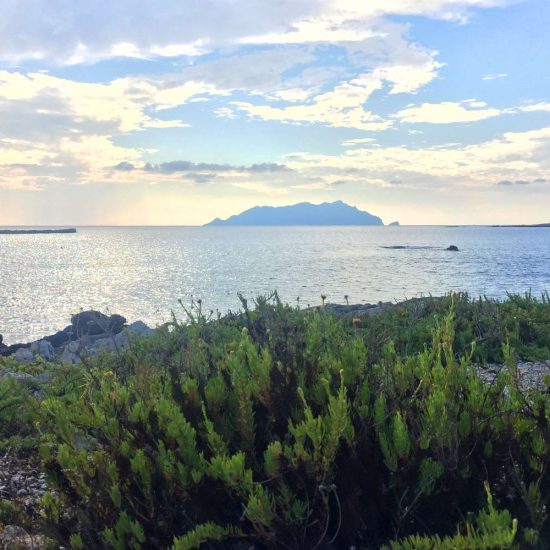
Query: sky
(176, 112)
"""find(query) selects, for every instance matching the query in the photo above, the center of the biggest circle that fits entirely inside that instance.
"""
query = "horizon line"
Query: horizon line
(69, 226)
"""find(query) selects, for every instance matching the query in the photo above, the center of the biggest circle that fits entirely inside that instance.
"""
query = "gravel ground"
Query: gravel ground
(531, 375)
(23, 484)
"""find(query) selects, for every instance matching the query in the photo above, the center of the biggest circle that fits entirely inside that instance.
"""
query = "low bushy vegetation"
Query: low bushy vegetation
(521, 321)
(279, 428)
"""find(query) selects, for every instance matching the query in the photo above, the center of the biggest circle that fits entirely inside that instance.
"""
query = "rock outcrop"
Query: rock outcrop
(93, 323)
(89, 333)
(90, 346)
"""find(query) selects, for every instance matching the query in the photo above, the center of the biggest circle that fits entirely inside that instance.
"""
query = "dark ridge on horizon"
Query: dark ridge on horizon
(303, 213)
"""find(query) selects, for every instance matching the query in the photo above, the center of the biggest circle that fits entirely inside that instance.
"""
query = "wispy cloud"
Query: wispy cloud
(448, 112)
(533, 108)
(357, 141)
(176, 166)
(494, 76)
(511, 183)
(146, 32)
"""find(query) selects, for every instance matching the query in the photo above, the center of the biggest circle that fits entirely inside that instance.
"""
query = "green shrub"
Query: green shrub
(277, 428)
(18, 413)
(523, 321)
(491, 530)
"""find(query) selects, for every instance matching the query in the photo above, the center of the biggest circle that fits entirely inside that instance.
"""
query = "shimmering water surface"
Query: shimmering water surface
(141, 272)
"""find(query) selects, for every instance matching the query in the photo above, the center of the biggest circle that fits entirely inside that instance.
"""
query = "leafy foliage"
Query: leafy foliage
(523, 321)
(490, 530)
(18, 412)
(280, 428)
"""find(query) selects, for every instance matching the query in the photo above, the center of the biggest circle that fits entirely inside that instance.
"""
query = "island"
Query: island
(303, 213)
(35, 231)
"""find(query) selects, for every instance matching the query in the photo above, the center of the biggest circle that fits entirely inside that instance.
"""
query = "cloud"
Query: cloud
(267, 167)
(222, 179)
(514, 156)
(260, 72)
(469, 110)
(70, 32)
(494, 76)
(120, 104)
(124, 166)
(322, 29)
(180, 166)
(69, 128)
(338, 183)
(358, 141)
(338, 96)
(448, 112)
(533, 108)
(343, 106)
(325, 62)
(510, 183)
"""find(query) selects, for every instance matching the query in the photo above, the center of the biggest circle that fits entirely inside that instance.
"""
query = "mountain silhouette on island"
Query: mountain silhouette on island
(303, 213)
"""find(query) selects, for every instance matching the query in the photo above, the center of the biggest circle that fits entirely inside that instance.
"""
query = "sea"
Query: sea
(146, 273)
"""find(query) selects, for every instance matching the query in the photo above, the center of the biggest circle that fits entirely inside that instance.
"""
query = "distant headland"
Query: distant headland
(35, 231)
(303, 213)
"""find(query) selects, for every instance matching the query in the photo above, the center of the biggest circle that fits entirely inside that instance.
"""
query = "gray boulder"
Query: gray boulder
(71, 353)
(24, 355)
(139, 328)
(108, 343)
(44, 349)
(121, 341)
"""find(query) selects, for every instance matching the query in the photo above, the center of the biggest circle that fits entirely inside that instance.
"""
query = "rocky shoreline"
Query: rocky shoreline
(92, 332)
(89, 333)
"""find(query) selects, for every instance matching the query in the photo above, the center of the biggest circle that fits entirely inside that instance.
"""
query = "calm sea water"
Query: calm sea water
(142, 272)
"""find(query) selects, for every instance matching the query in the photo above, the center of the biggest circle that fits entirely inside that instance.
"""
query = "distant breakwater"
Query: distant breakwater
(35, 231)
